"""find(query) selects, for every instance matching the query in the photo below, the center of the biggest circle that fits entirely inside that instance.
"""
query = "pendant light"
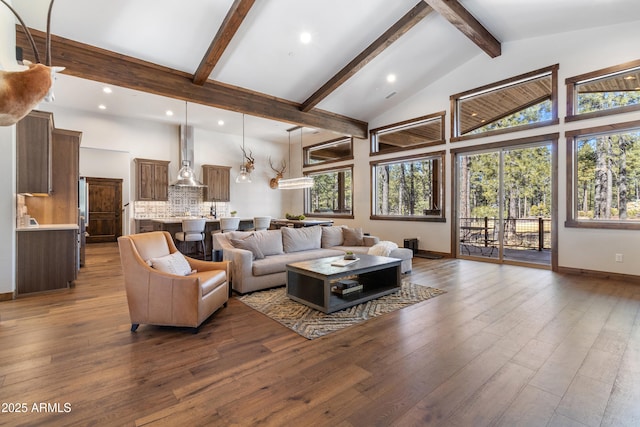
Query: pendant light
(295, 183)
(244, 177)
(186, 175)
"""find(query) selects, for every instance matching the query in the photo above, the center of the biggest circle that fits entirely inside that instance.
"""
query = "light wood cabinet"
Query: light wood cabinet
(33, 153)
(217, 179)
(152, 178)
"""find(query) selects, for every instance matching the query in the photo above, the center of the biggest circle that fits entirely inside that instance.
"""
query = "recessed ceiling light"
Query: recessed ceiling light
(107, 89)
(391, 78)
(220, 122)
(630, 78)
(305, 37)
(474, 114)
(169, 113)
(102, 107)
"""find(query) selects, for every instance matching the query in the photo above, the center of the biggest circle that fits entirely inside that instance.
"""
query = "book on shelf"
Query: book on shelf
(344, 262)
(345, 287)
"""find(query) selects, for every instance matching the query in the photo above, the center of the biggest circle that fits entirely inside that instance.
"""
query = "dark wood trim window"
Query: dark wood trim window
(331, 194)
(409, 188)
(602, 184)
(523, 102)
(604, 92)
(420, 132)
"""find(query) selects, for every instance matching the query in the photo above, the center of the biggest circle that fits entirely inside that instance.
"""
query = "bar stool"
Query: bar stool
(261, 222)
(229, 224)
(192, 231)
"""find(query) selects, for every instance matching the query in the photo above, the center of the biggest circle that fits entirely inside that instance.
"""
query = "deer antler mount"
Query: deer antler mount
(249, 163)
(273, 182)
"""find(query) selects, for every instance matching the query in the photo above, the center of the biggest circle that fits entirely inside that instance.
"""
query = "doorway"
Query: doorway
(506, 204)
(105, 210)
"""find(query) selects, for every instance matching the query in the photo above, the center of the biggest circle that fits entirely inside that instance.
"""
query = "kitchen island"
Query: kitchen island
(174, 225)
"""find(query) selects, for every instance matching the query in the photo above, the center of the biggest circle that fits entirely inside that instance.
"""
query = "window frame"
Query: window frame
(454, 100)
(439, 155)
(307, 193)
(572, 94)
(572, 220)
(306, 151)
(404, 124)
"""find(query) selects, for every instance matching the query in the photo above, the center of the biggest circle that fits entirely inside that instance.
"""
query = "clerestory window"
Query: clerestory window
(522, 102)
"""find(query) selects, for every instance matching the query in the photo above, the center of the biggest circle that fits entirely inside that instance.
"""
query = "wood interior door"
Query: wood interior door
(105, 210)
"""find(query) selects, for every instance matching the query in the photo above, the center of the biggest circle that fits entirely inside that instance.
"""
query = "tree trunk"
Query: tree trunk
(384, 208)
(600, 205)
(622, 180)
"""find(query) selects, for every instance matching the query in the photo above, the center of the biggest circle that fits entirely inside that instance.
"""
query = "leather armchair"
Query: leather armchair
(159, 298)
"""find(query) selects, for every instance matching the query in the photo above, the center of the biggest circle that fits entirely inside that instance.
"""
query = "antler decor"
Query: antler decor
(249, 160)
(21, 91)
(273, 182)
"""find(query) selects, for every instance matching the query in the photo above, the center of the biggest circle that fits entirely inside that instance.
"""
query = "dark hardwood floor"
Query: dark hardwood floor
(504, 346)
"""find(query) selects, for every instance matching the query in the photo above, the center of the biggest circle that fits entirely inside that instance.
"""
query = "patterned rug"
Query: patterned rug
(311, 323)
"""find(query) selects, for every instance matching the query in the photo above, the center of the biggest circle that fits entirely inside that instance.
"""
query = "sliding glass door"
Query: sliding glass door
(504, 204)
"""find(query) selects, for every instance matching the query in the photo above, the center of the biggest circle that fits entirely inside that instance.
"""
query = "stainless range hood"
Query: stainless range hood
(186, 175)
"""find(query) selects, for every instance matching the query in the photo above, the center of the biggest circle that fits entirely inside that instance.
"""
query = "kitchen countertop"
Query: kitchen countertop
(178, 220)
(49, 227)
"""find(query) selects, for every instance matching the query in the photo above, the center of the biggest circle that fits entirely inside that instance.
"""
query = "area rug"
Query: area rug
(311, 323)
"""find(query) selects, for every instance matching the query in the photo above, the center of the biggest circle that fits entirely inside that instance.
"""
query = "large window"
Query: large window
(608, 91)
(522, 102)
(331, 194)
(604, 176)
(409, 188)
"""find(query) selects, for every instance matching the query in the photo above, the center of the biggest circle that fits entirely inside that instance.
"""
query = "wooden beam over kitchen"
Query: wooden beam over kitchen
(93, 63)
(396, 31)
(227, 30)
(464, 21)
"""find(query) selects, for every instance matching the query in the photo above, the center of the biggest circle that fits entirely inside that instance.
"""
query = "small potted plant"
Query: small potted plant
(233, 213)
(349, 255)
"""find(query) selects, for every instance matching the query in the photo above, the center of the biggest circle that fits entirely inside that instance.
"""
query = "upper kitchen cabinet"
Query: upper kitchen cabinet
(216, 178)
(33, 145)
(152, 177)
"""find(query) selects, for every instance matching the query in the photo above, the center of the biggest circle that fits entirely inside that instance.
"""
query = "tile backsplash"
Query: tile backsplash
(183, 201)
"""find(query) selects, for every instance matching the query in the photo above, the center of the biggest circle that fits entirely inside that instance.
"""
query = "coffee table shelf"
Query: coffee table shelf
(309, 282)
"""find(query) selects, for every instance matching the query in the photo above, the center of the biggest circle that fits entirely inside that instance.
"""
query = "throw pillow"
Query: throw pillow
(249, 243)
(332, 236)
(353, 236)
(174, 263)
(301, 239)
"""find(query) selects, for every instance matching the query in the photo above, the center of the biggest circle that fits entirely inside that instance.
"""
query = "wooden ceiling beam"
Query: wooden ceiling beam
(464, 21)
(92, 63)
(396, 31)
(227, 30)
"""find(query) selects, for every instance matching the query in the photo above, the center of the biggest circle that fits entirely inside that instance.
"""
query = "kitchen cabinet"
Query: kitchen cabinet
(217, 179)
(33, 153)
(62, 205)
(144, 225)
(47, 258)
(152, 179)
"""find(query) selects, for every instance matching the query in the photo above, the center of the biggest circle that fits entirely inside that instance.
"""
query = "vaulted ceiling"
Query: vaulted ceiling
(245, 56)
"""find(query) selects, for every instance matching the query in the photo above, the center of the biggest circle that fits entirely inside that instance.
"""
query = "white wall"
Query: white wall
(7, 163)
(576, 53)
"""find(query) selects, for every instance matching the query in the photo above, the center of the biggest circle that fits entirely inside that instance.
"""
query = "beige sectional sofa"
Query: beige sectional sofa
(259, 258)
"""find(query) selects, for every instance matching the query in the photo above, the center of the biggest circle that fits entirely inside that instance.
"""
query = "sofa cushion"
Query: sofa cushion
(331, 236)
(278, 263)
(270, 242)
(174, 263)
(301, 239)
(249, 243)
(353, 236)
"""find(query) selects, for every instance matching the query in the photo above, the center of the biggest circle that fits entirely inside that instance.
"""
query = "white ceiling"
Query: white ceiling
(266, 55)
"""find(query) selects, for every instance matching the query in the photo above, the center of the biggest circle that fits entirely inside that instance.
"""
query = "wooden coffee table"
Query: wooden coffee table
(310, 282)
